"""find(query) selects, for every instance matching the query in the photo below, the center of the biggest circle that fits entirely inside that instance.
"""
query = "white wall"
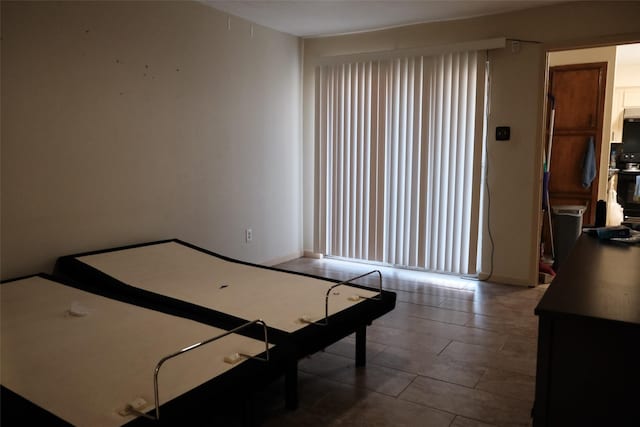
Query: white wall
(626, 93)
(124, 122)
(627, 75)
(517, 101)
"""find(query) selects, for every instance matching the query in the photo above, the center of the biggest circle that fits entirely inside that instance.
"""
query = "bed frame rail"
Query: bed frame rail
(325, 321)
(133, 410)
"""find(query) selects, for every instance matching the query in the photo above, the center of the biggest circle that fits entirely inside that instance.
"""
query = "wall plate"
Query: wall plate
(503, 133)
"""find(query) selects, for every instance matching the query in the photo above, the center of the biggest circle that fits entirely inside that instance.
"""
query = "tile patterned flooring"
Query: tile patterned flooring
(454, 352)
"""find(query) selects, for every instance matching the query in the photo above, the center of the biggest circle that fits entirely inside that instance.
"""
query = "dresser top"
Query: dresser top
(599, 279)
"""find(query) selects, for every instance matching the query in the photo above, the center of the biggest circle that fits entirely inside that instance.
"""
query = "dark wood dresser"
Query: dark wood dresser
(588, 370)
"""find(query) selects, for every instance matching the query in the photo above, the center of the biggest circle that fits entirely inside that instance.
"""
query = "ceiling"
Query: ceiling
(313, 18)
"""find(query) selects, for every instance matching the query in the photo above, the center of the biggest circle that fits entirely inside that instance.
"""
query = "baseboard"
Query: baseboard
(503, 280)
(282, 259)
(311, 254)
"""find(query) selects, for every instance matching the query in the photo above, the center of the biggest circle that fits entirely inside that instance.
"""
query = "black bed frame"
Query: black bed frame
(227, 395)
(289, 347)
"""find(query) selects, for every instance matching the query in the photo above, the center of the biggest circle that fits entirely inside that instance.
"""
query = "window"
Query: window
(398, 160)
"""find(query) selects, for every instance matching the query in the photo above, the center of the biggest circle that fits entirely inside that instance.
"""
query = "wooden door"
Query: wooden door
(578, 91)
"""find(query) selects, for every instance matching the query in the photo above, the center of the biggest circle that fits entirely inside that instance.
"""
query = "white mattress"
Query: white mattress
(249, 292)
(86, 368)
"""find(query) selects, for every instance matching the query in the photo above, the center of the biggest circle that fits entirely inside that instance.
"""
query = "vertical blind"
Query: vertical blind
(397, 163)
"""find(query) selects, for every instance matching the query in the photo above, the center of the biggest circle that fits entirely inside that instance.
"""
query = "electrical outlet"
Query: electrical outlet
(248, 235)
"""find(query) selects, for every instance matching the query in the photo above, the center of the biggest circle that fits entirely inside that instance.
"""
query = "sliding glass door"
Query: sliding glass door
(398, 160)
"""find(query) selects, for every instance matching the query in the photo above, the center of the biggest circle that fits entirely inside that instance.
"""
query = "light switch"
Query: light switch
(503, 133)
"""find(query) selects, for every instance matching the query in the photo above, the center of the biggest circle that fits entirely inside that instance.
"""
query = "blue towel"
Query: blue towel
(636, 193)
(589, 164)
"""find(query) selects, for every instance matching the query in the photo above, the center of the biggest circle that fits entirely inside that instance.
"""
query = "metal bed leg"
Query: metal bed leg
(361, 346)
(291, 385)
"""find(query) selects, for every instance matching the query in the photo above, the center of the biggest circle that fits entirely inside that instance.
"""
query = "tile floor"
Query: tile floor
(454, 352)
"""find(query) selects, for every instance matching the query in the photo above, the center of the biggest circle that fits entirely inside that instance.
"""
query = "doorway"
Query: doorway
(577, 98)
(618, 68)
